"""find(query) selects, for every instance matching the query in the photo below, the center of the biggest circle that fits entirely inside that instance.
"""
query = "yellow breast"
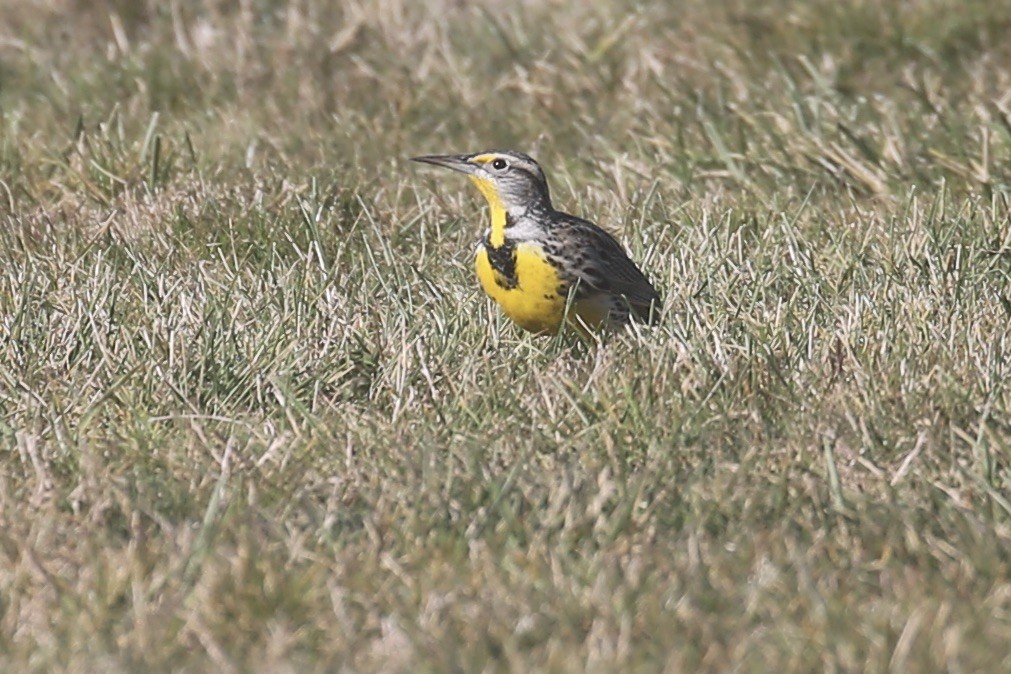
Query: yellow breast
(533, 301)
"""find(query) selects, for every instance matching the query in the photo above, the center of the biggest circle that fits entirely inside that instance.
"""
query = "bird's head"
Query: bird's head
(511, 181)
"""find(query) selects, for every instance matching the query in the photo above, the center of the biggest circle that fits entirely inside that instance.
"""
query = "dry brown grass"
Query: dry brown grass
(258, 417)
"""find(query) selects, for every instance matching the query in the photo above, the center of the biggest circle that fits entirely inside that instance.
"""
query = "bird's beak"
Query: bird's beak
(457, 162)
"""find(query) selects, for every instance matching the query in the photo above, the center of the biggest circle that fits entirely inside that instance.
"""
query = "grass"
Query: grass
(256, 415)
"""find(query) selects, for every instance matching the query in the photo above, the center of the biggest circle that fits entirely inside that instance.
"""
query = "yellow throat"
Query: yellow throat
(498, 212)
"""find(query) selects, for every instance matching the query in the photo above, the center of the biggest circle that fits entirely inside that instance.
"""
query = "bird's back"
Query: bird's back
(597, 266)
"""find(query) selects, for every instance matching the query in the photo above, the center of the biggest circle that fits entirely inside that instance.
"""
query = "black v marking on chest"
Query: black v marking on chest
(503, 261)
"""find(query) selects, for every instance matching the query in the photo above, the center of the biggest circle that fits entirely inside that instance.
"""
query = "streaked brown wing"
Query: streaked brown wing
(603, 265)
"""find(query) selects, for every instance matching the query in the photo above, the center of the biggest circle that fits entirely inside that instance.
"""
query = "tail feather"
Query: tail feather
(648, 312)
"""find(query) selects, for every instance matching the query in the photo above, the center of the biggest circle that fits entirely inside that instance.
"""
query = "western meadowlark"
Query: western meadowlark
(532, 257)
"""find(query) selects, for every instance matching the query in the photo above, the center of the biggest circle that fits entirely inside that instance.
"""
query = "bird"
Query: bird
(542, 266)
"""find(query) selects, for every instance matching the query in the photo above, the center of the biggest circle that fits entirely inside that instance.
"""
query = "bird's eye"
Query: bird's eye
(499, 164)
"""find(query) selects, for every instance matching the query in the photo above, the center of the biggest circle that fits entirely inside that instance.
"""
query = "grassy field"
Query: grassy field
(255, 414)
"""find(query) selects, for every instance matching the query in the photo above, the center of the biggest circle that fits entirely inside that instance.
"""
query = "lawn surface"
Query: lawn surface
(256, 415)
